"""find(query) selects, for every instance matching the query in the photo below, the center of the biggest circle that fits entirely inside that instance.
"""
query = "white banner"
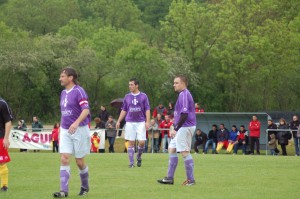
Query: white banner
(42, 140)
(31, 140)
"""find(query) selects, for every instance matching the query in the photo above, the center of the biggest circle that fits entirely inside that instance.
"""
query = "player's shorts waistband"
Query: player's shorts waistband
(80, 127)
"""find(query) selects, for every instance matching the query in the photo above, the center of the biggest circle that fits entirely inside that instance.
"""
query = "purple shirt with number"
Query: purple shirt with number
(136, 106)
(185, 104)
(72, 103)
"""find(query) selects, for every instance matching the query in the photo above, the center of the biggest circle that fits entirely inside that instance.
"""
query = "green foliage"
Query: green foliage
(239, 55)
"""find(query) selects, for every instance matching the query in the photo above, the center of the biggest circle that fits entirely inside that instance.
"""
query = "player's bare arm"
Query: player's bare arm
(82, 116)
(148, 116)
(6, 136)
(121, 117)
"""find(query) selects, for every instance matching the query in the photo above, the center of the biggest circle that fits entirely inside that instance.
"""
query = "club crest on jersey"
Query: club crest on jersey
(134, 101)
(65, 102)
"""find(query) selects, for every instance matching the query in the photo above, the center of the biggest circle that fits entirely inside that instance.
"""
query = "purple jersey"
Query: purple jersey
(72, 103)
(136, 106)
(185, 104)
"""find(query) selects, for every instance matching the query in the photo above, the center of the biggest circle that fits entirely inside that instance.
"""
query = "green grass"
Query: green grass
(36, 176)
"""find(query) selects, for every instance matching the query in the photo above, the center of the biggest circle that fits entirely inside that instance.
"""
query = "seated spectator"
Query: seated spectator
(99, 123)
(165, 134)
(111, 133)
(201, 139)
(198, 109)
(222, 137)
(22, 127)
(212, 139)
(153, 131)
(95, 140)
(232, 140)
(55, 136)
(242, 140)
(272, 144)
(294, 125)
(283, 136)
(160, 109)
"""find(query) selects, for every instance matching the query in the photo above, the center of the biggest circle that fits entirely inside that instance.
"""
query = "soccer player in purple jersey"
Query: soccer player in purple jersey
(184, 128)
(74, 131)
(136, 108)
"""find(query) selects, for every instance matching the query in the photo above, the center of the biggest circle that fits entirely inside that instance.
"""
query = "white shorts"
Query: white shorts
(135, 130)
(183, 139)
(78, 144)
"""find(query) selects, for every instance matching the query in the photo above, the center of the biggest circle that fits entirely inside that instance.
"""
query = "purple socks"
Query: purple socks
(140, 152)
(173, 161)
(189, 167)
(64, 178)
(84, 177)
(130, 151)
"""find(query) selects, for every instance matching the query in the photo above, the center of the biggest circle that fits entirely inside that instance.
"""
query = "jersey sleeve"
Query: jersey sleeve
(183, 97)
(124, 105)
(5, 112)
(146, 103)
(82, 99)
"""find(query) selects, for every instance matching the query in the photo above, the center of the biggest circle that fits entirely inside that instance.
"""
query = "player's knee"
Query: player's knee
(184, 153)
(80, 163)
(65, 160)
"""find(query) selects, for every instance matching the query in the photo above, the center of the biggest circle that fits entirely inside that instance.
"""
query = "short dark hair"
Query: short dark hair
(214, 125)
(69, 71)
(234, 126)
(222, 124)
(183, 78)
(242, 126)
(135, 81)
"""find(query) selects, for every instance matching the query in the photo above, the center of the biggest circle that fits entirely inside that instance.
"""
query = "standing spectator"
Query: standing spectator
(37, 126)
(111, 133)
(212, 139)
(222, 137)
(165, 134)
(232, 140)
(272, 144)
(283, 136)
(159, 120)
(170, 110)
(201, 139)
(153, 130)
(198, 109)
(160, 109)
(103, 115)
(99, 123)
(5, 127)
(55, 136)
(254, 128)
(22, 127)
(95, 141)
(294, 125)
(242, 140)
(271, 125)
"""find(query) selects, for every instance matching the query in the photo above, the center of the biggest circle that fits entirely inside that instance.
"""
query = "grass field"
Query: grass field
(36, 176)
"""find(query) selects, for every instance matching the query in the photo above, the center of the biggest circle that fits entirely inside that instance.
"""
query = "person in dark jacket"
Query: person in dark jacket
(294, 125)
(170, 110)
(99, 123)
(242, 140)
(283, 136)
(222, 137)
(212, 139)
(111, 133)
(271, 125)
(103, 115)
(201, 139)
(22, 127)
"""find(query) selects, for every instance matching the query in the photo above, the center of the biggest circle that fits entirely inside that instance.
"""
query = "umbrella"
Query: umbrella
(117, 103)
